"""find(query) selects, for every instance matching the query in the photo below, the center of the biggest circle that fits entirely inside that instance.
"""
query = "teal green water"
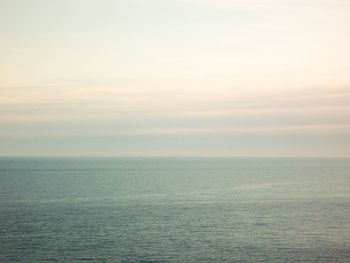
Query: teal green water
(174, 210)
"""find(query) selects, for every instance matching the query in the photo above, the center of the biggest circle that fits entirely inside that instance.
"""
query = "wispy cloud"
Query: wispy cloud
(170, 109)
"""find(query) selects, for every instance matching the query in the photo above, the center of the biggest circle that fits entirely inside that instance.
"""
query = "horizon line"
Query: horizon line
(175, 156)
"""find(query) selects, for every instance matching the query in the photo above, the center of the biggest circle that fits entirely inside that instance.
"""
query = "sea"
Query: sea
(174, 209)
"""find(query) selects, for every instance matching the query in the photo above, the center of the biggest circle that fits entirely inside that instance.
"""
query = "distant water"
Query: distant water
(174, 210)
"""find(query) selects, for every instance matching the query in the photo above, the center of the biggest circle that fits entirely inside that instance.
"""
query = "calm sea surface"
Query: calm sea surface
(174, 210)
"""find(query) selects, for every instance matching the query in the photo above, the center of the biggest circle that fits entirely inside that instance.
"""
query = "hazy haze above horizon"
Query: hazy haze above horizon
(182, 77)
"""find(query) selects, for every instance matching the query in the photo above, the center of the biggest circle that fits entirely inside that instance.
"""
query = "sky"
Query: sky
(175, 78)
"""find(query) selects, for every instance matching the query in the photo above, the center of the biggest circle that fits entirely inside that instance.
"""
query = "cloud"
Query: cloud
(172, 113)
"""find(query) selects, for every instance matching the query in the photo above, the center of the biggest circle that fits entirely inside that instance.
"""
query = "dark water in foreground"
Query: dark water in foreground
(174, 210)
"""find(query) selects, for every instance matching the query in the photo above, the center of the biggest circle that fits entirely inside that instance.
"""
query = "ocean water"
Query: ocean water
(174, 210)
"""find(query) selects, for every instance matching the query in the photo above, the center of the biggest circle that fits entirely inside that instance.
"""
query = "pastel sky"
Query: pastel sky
(175, 78)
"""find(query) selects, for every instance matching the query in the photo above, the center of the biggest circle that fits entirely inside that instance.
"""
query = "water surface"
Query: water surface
(174, 210)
